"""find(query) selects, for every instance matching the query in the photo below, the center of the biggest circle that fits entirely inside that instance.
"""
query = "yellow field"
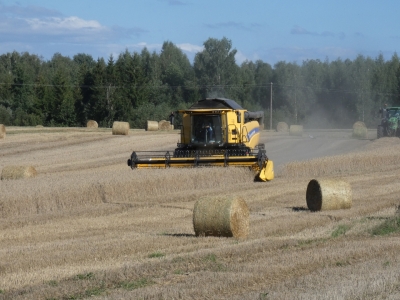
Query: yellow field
(89, 226)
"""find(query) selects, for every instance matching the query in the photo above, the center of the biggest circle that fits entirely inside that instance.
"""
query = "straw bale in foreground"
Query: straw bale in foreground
(164, 125)
(360, 130)
(2, 131)
(120, 128)
(221, 216)
(18, 172)
(92, 124)
(328, 194)
(282, 127)
(152, 126)
(296, 130)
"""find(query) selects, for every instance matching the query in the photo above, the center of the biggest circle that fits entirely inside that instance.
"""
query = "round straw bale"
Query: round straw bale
(328, 194)
(18, 172)
(282, 127)
(164, 125)
(221, 216)
(92, 124)
(360, 130)
(152, 126)
(2, 131)
(296, 130)
(359, 124)
(120, 128)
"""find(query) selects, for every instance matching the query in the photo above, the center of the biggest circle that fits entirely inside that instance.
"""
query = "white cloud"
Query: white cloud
(55, 30)
(297, 30)
(190, 48)
(56, 24)
(240, 57)
(150, 47)
(27, 11)
(300, 54)
(33, 24)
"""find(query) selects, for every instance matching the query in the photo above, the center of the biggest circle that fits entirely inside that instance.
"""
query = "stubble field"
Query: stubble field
(89, 226)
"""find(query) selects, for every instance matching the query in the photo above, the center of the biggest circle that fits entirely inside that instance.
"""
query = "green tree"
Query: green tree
(247, 85)
(176, 74)
(111, 86)
(291, 90)
(263, 76)
(7, 79)
(40, 105)
(62, 102)
(362, 69)
(99, 95)
(216, 70)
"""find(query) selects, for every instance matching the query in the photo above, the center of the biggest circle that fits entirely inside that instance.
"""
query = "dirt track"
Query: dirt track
(283, 148)
(87, 225)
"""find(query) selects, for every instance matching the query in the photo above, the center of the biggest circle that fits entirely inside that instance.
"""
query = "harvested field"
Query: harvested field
(89, 226)
(2, 131)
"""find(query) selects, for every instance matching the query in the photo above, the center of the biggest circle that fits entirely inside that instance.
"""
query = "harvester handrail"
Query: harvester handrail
(235, 129)
(244, 134)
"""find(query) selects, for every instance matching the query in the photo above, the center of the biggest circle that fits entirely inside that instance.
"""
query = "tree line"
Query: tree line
(136, 87)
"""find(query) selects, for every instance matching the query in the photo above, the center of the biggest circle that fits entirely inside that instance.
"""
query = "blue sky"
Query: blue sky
(274, 30)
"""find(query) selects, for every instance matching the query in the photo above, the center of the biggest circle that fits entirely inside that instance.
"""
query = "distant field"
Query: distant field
(89, 226)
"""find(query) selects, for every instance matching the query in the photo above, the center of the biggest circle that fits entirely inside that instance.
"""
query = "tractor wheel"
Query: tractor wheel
(380, 132)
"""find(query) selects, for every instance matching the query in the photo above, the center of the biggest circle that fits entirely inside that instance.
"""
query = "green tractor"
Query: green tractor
(390, 122)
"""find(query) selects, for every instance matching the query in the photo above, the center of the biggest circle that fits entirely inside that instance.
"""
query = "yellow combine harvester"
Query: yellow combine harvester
(215, 132)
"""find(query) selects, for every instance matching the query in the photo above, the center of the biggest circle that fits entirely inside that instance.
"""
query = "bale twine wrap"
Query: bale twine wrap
(360, 130)
(221, 216)
(164, 125)
(2, 131)
(296, 130)
(92, 124)
(18, 172)
(328, 194)
(120, 128)
(282, 127)
(152, 126)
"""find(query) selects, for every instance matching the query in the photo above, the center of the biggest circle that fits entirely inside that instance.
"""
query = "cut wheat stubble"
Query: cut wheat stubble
(296, 130)
(18, 172)
(2, 131)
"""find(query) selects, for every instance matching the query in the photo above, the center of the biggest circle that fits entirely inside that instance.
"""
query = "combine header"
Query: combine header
(215, 132)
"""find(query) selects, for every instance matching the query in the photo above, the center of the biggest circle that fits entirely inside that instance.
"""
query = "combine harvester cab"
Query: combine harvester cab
(215, 132)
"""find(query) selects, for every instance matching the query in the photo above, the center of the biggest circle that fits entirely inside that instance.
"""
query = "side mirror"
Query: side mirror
(239, 117)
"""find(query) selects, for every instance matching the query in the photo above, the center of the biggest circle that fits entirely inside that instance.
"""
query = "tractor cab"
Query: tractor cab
(390, 122)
